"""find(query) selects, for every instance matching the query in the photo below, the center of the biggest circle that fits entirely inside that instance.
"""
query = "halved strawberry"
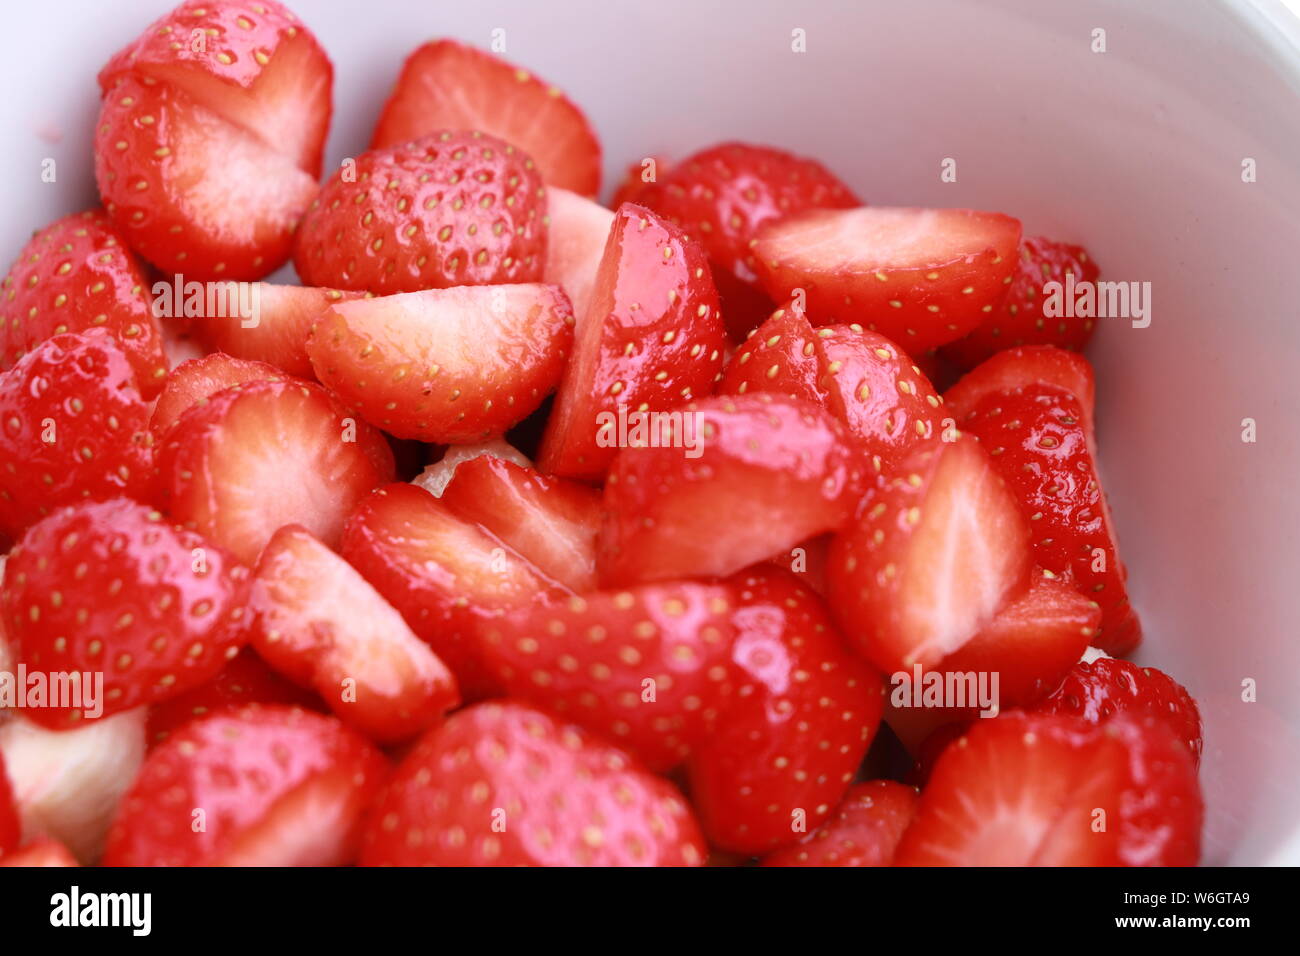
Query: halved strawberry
(921, 277)
(502, 784)
(803, 716)
(780, 356)
(865, 830)
(446, 365)
(192, 383)
(935, 552)
(438, 475)
(40, 852)
(258, 786)
(254, 458)
(577, 230)
(1020, 319)
(1038, 441)
(730, 482)
(1017, 368)
(552, 522)
(646, 667)
(11, 828)
(78, 274)
(650, 339)
(448, 85)
(317, 621)
(1051, 790)
(73, 427)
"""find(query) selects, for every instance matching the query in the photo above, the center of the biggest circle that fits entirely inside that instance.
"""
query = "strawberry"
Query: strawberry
(78, 274)
(454, 208)
(921, 277)
(317, 621)
(635, 182)
(865, 830)
(111, 587)
(445, 365)
(1098, 690)
(448, 85)
(1017, 368)
(1052, 790)
(723, 195)
(502, 784)
(577, 229)
(935, 552)
(438, 475)
(1038, 442)
(252, 459)
(650, 339)
(807, 561)
(40, 852)
(258, 786)
(552, 522)
(444, 574)
(734, 481)
(1020, 319)
(780, 356)
(11, 827)
(73, 427)
(646, 667)
(193, 382)
(804, 714)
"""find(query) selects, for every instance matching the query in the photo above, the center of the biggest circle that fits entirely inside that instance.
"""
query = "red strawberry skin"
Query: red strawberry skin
(780, 356)
(865, 830)
(196, 380)
(454, 208)
(1015, 369)
(502, 784)
(78, 274)
(111, 587)
(72, 427)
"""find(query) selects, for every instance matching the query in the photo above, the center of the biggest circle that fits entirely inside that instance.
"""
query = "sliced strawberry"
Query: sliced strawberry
(647, 668)
(733, 481)
(446, 365)
(576, 234)
(1038, 442)
(454, 208)
(723, 195)
(258, 786)
(1018, 368)
(267, 454)
(864, 831)
(317, 621)
(921, 277)
(444, 574)
(1051, 790)
(1098, 690)
(1020, 319)
(112, 588)
(72, 427)
(935, 552)
(501, 784)
(552, 522)
(437, 476)
(78, 274)
(803, 717)
(194, 382)
(40, 852)
(11, 827)
(448, 85)
(650, 339)
(780, 356)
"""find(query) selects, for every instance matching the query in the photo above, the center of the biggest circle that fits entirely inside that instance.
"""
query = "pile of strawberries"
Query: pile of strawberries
(525, 531)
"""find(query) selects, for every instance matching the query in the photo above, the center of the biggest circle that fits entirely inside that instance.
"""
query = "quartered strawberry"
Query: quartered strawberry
(1020, 319)
(444, 574)
(252, 459)
(258, 786)
(454, 208)
(40, 852)
(647, 667)
(317, 621)
(651, 338)
(111, 587)
(921, 277)
(446, 365)
(72, 427)
(1038, 441)
(552, 522)
(803, 716)
(1015, 369)
(448, 85)
(577, 230)
(78, 274)
(1098, 690)
(934, 553)
(722, 196)
(11, 828)
(193, 382)
(865, 830)
(502, 784)
(438, 475)
(732, 481)
(1052, 790)
(780, 356)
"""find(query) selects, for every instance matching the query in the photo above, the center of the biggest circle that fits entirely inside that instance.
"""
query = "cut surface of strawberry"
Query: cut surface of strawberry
(864, 831)
(11, 827)
(575, 241)
(438, 475)
(196, 380)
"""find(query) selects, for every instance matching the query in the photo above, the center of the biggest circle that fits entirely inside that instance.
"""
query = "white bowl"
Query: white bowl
(1136, 152)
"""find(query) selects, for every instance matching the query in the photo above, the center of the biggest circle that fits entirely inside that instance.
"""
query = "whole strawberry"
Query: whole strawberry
(453, 208)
